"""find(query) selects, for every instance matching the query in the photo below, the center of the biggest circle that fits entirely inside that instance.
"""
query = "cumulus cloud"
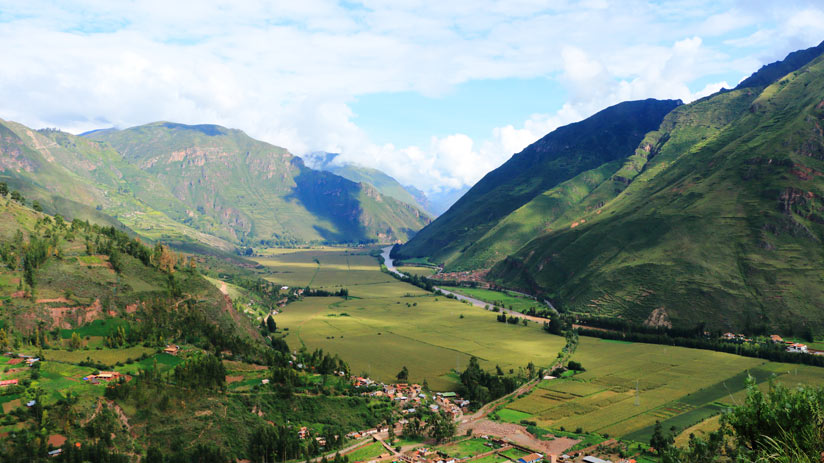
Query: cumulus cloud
(287, 72)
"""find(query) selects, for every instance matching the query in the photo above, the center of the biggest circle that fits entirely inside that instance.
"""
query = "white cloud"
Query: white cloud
(286, 71)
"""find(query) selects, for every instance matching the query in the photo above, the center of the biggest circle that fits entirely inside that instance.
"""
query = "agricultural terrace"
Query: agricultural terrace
(678, 386)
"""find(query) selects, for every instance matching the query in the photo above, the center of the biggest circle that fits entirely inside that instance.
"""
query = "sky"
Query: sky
(435, 93)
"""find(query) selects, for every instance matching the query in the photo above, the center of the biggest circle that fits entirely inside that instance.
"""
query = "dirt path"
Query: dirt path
(224, 288)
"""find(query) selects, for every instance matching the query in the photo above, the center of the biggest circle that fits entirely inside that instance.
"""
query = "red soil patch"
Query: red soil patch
(18, 294)
(56, 440)
(233, 379)
(66, 317)
(14, 361)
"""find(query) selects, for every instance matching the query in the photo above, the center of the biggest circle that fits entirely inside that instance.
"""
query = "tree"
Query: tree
(36, 206)
(440, 427)
(75, 342)
(271, 325)
(659, 441)
(15, 195)
(4, 189)
(116, 260)
(575, 366)
(403, 375)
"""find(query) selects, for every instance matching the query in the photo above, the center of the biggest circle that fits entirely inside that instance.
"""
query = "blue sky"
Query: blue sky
(434, 93)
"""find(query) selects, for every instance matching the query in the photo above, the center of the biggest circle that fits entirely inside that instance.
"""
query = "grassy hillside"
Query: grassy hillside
(60, 275)
(610, 135)
(246, 191)
(719, 218)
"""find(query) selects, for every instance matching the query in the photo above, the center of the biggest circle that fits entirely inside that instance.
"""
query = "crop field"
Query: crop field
(505, 299)
(679, 387)
(324, 268)
(380, 335)
(420, 271)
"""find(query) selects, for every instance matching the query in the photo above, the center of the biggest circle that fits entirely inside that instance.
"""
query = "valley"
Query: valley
(643, 285)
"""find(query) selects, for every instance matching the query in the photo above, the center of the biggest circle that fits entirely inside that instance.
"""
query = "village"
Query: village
(790, 346)
(383, 445)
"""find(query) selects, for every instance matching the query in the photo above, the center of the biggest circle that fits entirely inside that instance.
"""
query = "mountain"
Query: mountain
(201, 184)
(557, 157)
(717, 217)
(383, 182)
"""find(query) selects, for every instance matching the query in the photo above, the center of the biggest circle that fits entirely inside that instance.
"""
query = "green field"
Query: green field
(678, 386)
(367, 452)
(415, 270)
(324, 268)
(465, 448)
(389, 324)
(512, 416)
(501, 299)
(97, 328)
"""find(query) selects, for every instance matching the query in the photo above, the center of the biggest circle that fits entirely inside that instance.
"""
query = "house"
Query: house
(31, 403)
(776, 338)
(447, 394)
(108, 375)
(797, 348)
(591, 459)
(531, 458)
(264, 381)
(8, 382)
(302, 432)
(171, 349)
(55, 453)
(32, 361)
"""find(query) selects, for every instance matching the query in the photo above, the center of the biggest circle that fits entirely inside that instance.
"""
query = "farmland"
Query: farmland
(679, 387)
(501, 299)
(387, 324)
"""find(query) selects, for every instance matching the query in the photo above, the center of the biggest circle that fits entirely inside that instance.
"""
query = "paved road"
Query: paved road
(476, 302)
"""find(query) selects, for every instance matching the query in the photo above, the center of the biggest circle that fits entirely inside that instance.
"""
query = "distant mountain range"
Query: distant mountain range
(195, 184)
(660, 212)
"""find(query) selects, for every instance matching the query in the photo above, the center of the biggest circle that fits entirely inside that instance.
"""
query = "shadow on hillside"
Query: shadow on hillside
(334, 199)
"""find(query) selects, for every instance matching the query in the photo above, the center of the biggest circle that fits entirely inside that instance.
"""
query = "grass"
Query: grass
(512, 416)
(100, 328)
(465, 448)
(367, 452)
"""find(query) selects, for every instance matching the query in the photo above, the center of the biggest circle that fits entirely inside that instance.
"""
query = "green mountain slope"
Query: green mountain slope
(246, 191)
(561, 155)
(60, 275)
(85, 179)
(718, 217)
(385, 184)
